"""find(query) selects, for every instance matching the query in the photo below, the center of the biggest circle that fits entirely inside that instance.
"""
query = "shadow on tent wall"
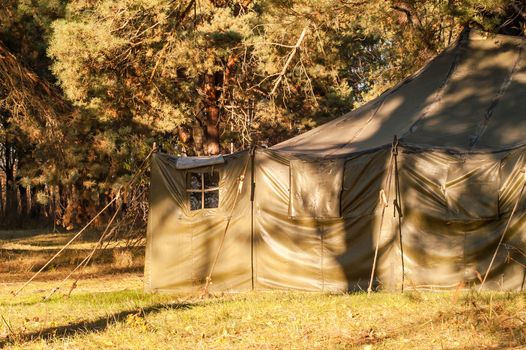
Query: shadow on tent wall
(454, 206)
(459, 175)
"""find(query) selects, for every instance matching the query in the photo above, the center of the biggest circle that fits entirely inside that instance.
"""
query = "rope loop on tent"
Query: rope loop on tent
(523, 171)
(208, 279)
(241, 180)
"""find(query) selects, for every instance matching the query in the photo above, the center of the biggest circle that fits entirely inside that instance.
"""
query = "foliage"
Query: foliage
(204, 76)
(141, 67)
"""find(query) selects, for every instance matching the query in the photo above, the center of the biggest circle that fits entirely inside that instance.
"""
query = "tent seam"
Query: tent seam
(440, 93)
(483, 124)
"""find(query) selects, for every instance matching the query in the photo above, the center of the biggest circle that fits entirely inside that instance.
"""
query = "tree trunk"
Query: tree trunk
(214, 93)
(34, 212)
(71, 214)
(212, 115)
(198, 136)
(11, 188)
(11, 198)
(24, 205)
(2, 205)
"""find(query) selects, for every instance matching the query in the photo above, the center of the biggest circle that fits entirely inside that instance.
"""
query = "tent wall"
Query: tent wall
(182, 243)
(455, 207)
(287, 252)
(312, 253)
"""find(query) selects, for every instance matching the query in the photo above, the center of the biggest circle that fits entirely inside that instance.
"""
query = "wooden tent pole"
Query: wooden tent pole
(398, 210)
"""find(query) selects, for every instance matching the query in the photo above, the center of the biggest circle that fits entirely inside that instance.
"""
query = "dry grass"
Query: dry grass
(111, 311)
(22, 253)
(124, 317)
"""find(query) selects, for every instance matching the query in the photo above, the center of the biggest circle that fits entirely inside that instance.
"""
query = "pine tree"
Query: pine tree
(199, 76)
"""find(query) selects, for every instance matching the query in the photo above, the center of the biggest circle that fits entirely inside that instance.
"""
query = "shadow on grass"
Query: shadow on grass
(88, 326)
(13, 235)
(489, 315)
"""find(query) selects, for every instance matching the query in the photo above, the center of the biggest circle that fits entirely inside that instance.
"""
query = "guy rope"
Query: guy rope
(239, 189)
(117, 196)
(384, 199)
(523, 171)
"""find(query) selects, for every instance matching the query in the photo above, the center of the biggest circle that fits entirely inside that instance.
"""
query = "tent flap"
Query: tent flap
(315, 188)
(472, 190)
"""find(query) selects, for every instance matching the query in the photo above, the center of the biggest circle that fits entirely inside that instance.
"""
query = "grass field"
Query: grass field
(22, 253)
(111, 311)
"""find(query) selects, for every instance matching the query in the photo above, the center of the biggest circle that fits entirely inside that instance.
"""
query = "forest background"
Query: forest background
(88, 86)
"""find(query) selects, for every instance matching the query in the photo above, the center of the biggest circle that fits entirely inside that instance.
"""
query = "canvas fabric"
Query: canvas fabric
(455, 207)
(308, 213)
(470, 97)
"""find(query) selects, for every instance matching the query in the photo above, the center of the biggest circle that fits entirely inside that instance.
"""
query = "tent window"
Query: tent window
(203, 190)
(472, 190)
(315, 188)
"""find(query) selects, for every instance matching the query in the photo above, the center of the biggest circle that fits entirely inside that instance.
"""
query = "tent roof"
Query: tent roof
(470, 97)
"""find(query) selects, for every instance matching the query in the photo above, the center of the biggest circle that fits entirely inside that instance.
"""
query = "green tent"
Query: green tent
(420, 183)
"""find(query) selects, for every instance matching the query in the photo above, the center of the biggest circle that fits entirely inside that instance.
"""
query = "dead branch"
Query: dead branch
(291, 55)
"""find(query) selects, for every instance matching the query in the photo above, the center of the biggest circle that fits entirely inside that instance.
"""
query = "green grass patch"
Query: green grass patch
(131, 319)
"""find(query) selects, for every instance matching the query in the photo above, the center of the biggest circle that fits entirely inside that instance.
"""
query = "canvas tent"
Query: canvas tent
(444, 150)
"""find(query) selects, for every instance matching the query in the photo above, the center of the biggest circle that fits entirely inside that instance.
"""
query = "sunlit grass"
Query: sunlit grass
(131, 319)
(22, 253)
(110, 310)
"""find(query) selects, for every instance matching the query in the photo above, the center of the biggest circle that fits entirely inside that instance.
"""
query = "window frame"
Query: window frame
(203, 190)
